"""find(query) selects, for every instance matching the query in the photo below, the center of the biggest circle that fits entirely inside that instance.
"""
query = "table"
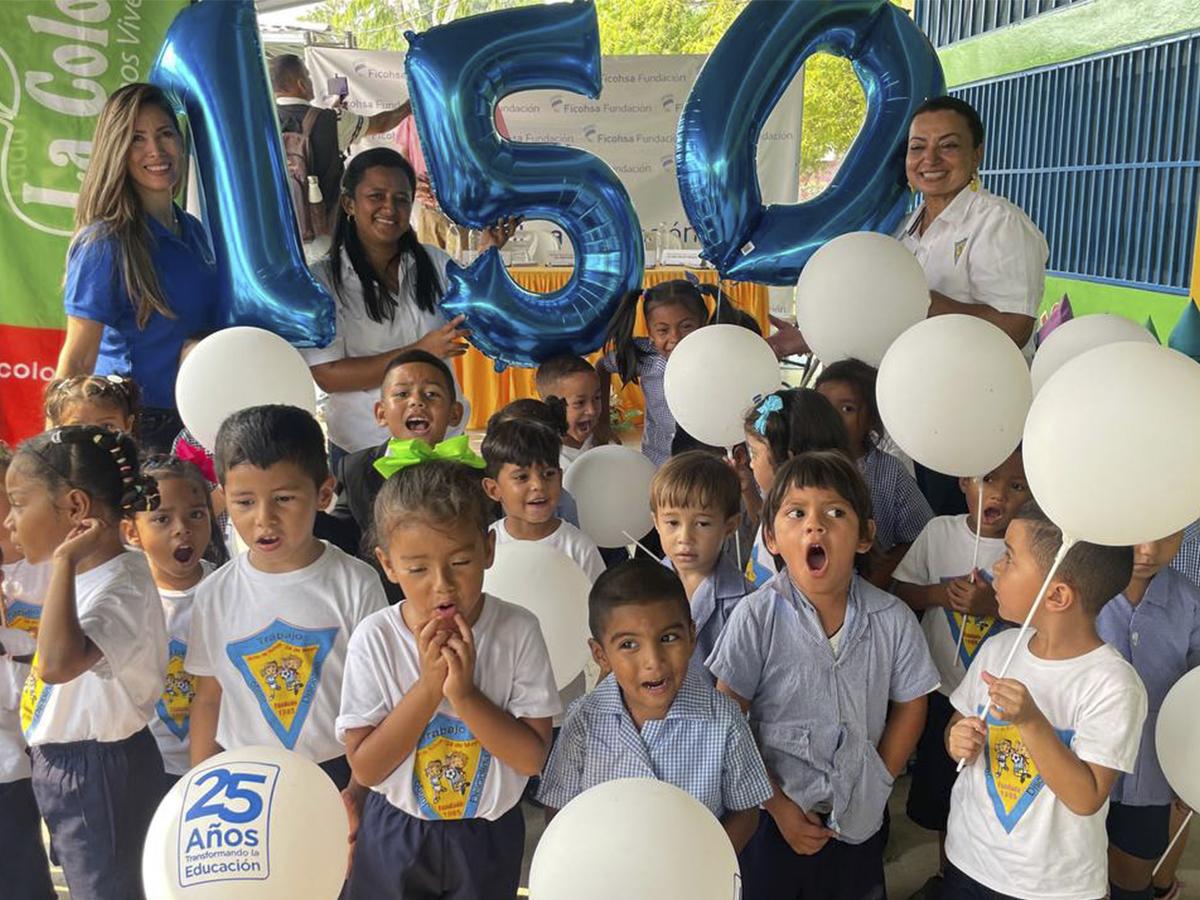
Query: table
(490, 390)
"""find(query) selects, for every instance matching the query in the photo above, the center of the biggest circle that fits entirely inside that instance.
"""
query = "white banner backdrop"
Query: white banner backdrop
(631, 127)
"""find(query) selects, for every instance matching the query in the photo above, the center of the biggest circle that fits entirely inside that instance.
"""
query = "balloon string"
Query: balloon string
(962, 626)
(1174, 841)
(639, 543)
(737, 532)
(1067, 543)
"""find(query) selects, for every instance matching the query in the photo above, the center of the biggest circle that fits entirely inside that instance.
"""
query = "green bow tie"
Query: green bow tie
(402, 454)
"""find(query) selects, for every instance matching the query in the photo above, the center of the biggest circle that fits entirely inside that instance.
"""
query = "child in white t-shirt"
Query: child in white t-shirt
(24, 870)
(269, 629)
(101, 655)
(183, 544)
(1043, 745)
(446, 705)
(958, 613)
(523, 475)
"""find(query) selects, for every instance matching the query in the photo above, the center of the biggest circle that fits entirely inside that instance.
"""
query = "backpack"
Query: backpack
(312, 217)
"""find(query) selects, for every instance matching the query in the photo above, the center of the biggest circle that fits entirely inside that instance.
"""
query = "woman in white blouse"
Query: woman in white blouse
(387, 287)
(981, 254)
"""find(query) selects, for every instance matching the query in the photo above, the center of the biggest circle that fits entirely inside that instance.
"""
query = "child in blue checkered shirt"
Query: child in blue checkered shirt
(654, 716)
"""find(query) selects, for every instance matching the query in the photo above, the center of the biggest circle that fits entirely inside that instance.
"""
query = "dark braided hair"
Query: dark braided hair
(380, 304)
(114, 390)
(161, 467)
(98, 461)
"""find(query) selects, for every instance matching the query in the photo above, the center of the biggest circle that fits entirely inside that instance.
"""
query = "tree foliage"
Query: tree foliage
(834, 104)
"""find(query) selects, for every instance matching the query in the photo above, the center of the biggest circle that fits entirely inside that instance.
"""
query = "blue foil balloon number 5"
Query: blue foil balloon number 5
(456, 74)
(736, 90)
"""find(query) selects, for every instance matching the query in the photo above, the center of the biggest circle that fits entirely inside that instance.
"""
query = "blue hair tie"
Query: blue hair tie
(770, 404)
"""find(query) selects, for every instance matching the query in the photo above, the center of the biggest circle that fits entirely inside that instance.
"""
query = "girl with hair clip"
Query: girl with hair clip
(140, 271)
(183, 545)
(101, 654)
(386, 285)
(779, 426)
(107, 400)
(672, 310)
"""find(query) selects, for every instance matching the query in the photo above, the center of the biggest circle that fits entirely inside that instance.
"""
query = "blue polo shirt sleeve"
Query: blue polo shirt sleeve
(913, 673)
(563, 776)
(94, 289)
(744, 780)
(739, 655)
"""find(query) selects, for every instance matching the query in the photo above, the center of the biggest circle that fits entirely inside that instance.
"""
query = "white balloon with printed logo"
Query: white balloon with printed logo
(638, 839)
(1112, 444)
(1078, 336)
(236, 368)
(953, 392)
(554, 588)
(712, 378)
(857, 294)
(1177, 738)
(259, 823)
(611, 487)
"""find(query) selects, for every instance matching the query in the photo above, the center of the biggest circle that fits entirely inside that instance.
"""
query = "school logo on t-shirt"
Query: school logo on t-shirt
(1012, 777)
(24, 616)
(282, 667)
(969, 632)
(959, 246)
(34, 697)
(450, 769)
(757, 572)
(179, 691)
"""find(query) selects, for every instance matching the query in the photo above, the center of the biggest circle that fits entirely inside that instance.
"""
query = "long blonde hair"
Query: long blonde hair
(110, 207)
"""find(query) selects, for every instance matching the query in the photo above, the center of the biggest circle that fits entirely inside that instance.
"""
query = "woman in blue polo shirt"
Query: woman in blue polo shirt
(140, 272)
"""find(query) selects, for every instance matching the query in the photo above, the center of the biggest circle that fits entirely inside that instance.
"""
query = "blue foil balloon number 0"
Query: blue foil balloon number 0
(456, 74)
(734, 94)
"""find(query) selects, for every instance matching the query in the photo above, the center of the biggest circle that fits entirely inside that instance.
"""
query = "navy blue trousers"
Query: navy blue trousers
(401, 857)
(98, 799)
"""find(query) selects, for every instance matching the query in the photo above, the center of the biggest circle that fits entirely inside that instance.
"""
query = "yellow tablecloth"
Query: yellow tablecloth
(490, 390)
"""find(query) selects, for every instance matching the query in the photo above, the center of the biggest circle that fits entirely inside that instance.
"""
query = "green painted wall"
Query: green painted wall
(1084, 29)
(1088, 297)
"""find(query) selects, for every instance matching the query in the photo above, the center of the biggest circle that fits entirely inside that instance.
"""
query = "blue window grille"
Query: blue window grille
(1103, 154)
(947, 21)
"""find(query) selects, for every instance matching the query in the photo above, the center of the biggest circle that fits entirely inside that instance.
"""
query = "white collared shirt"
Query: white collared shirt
(350, 415)
(982, 249)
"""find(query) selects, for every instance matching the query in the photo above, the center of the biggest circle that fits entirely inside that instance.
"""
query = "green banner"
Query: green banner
(59, 61)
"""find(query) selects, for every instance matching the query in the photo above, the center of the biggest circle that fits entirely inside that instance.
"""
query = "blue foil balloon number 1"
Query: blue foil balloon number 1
(456, 75)
(211, 63)
(734, 94)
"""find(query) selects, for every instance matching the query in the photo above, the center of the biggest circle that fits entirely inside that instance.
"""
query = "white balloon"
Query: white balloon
(259, 823)
(1077, 336)
(611, 487)
(712, 378)
(1112, 442)
(953, 392)
(550, 585)
(236, 368)
(1177, 738)
(857, 294)
(638, 839)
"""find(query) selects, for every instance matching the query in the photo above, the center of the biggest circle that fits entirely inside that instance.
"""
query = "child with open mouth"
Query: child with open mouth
(833, 672)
